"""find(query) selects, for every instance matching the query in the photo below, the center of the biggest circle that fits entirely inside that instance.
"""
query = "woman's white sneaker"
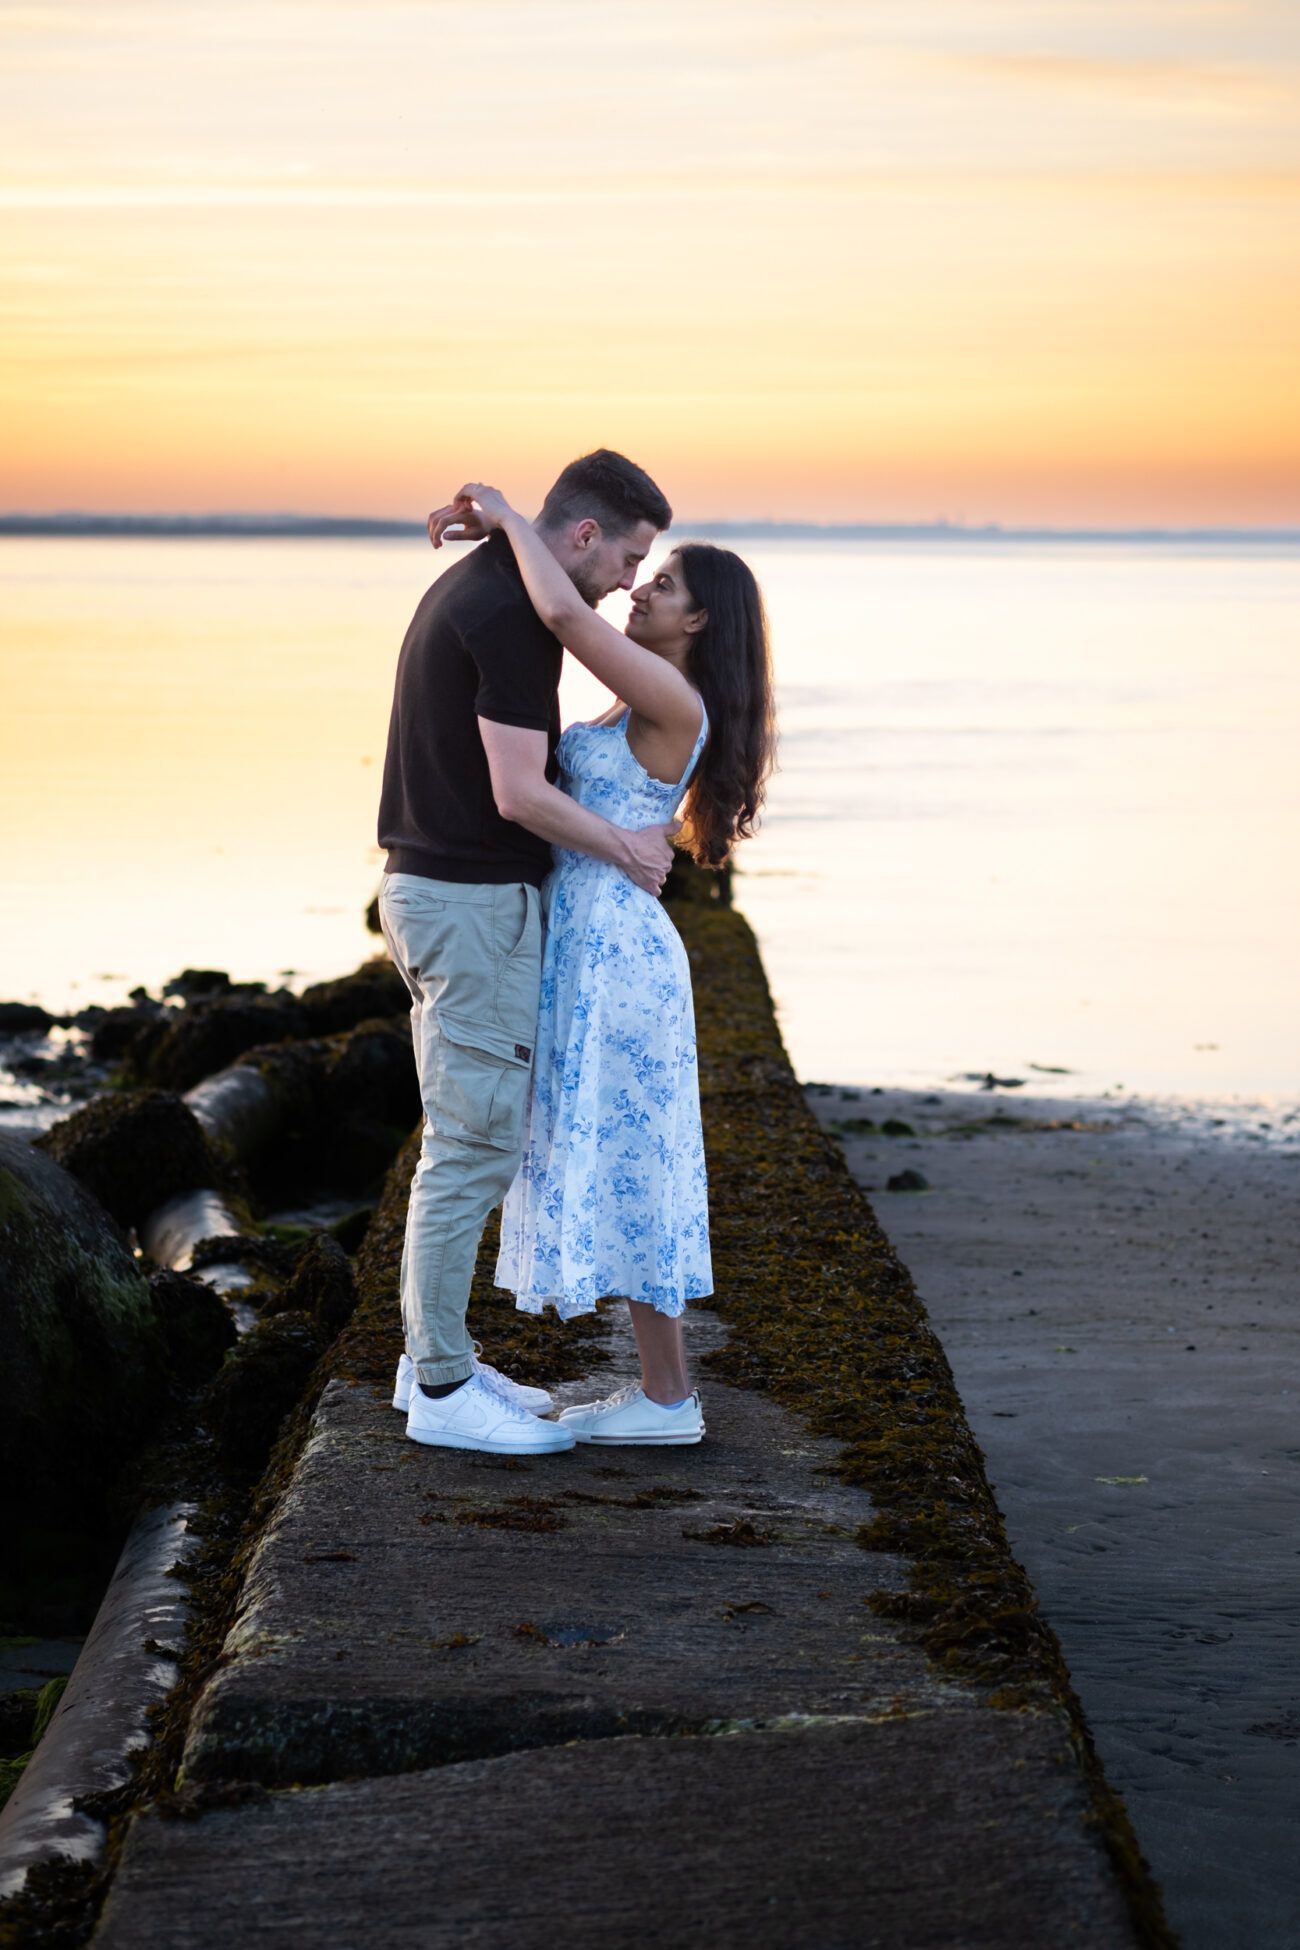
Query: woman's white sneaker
(630, 1419)
(535, 1400)
(474, 1417)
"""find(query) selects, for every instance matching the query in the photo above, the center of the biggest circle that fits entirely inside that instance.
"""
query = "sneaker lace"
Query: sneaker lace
(503, 1402)
(621, 1395)
(501, 1384)
(484, 1368)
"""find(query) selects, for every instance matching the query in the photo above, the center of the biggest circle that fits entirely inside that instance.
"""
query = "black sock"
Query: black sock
(439, 1390)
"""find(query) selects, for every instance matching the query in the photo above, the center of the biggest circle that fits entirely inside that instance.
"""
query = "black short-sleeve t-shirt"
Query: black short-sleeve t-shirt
(476, 648)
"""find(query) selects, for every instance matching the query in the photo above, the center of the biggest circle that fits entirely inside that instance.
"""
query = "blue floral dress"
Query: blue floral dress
(611, 1197)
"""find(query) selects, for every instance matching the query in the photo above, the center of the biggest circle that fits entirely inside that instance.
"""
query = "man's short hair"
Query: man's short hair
(608, 488)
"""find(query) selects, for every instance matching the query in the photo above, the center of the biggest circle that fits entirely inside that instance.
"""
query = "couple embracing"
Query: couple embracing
(550, 993)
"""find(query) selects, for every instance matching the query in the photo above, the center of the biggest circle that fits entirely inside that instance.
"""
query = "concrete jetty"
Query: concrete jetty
(636, 1698)
(786, 1688)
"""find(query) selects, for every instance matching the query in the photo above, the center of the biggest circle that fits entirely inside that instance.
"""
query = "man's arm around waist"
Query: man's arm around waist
(517, 762)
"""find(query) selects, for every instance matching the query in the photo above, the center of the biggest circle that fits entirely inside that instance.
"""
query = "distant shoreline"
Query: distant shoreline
(354, 527)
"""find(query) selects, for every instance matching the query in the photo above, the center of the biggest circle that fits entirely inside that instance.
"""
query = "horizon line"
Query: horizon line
(288, 526)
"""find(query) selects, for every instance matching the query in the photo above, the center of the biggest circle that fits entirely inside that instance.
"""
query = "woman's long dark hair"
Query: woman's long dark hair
(730, 666)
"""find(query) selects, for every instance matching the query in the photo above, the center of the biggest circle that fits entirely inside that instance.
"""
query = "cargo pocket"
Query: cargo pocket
(481, 1084)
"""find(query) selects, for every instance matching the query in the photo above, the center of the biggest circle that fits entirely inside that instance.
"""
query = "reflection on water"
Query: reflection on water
(1037, 805)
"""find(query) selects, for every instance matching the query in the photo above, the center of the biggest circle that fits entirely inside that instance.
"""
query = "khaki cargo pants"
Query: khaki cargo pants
(471, 957)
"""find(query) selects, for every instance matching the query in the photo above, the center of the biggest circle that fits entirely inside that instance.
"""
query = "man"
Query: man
(468, 814)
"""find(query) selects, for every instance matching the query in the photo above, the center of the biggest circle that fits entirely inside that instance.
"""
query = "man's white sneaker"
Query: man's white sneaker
(535, 1400)
(474, 1417)
(630, 1419)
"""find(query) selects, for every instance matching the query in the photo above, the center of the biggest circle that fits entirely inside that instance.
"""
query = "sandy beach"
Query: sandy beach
(1115, 1287)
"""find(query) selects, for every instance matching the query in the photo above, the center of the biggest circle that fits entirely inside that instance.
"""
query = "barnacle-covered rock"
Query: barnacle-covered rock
(136, 1150)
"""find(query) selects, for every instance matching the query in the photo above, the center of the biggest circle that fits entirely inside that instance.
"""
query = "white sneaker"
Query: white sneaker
(630, 1419)
(535, 1400)
(474, 1417)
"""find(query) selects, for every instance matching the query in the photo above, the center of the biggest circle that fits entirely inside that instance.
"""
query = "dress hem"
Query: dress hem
(537, 1303)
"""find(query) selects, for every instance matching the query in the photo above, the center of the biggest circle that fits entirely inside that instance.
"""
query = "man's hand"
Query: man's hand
(462, 515)
(649, 856)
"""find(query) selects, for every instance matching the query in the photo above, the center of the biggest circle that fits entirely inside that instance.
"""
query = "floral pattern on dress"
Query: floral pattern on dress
(611, 1197)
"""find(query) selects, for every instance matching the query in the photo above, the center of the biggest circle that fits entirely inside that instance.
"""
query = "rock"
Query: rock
(897, 1127)
(907, 1181)
(340, 1109)
(259, 1381)
(173, 1232)
(372, 1101)
(195, 1325)
(198, 984)
(182, 1048)
(373, 1071)
(18, 1018)
(135, 1151)
(701, 886)
(277, 1256)
(322, 1286)
(351, 1229)
(83, 1358)
(238, 1108)
(209, 984)
(373, 990)
(113, 1031)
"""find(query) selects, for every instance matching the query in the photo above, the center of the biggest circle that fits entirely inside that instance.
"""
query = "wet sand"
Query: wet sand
(1121, 1312)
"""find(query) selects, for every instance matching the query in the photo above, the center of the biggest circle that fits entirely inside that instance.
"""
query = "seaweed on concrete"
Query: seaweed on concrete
(825, 1318)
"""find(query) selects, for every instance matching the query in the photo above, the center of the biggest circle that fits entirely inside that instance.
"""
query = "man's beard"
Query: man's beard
(586, 580)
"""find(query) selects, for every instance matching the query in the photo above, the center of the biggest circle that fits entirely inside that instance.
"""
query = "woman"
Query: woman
(611, 1195)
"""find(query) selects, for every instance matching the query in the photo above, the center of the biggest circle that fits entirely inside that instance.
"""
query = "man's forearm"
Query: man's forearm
(553, 816)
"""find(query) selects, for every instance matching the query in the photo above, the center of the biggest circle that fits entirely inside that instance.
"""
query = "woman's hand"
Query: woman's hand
(464, 520)
(471, 522)
(492, 504)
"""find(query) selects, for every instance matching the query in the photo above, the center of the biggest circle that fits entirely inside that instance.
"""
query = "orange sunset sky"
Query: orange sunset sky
(1014, 261)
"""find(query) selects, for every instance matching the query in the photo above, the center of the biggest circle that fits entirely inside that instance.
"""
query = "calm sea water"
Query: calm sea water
(1037, 810)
